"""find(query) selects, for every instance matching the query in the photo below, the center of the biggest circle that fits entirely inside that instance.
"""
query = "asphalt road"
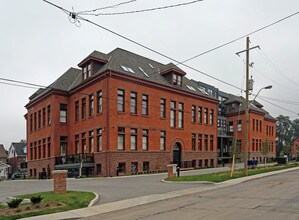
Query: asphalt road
(110, 189)
(273, 197)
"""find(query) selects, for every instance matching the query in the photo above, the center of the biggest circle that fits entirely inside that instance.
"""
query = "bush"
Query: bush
(14, 203)
(36, 199)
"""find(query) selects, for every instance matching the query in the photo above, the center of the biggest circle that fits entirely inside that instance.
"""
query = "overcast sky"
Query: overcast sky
(38, 44)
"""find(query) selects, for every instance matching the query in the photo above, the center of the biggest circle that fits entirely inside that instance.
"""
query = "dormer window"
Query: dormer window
(176, 79)
(86, 71)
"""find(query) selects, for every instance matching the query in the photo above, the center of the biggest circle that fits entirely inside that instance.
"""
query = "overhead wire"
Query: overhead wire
(278, 106)
(143, 10)
(106, 7)
(274, 66)
(148, 48)
(23, 86)
(22, 82)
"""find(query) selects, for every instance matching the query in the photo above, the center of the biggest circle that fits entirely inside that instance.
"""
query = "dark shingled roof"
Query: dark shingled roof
(20, 148)
(115, 59)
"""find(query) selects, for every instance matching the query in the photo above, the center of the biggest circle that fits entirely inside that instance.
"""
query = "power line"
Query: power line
(13, 84)
(281, 100)
(146, 47)
(143, 10)
(21, 82)
(107, 7)
(274, 67)
(239, 38)
(277, 106)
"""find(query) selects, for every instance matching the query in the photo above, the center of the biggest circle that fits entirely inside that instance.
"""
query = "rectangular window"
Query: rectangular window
(181, 115)
(31, 152)
(39, 149)
(91, 142)
(63, 113)
(99, 139)
(174, 79)
(239, 125)
(163, 108)
(49, 147)
(193, 115)
(260, 125)
(256, 145)
(31, 122)
(172, 114)
(206, 116)
(134, 167)
(206, 142)
(35, 151)
(199, 142)
(91, 105)
(144, 139)
(231, 126)
(44, 148)
(77, 111)
(179, 80)
(39, 118)
(162, 140)
(49, 114)
(144, 104)
(120, 100)
(99, 101)
(257, 125)
(211, 116)
(77, 144)
(193, 141)
(253, 144)
(133, 139)
(44, 117)
(146, 166)
(211, 143)
(260, 145)
(83, 143)
(199, 114)
(122, 167)
(121, 138)
(63, 146)
(253, 124)
(133, 103)
(35, 121)
(83, 111)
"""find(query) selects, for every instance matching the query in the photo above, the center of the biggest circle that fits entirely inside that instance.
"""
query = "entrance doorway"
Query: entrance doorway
(177, 151)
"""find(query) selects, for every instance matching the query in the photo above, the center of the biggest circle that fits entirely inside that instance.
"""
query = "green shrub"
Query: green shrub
(36, 199)
(14, 203)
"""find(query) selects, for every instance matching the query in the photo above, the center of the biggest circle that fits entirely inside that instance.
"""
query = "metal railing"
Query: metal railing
(75, 158)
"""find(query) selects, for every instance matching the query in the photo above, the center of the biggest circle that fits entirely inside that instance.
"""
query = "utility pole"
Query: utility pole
(246, 104)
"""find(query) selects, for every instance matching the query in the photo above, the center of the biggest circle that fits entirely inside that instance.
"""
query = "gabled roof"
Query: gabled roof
(20, 148)
(3, 153)
(142, 68)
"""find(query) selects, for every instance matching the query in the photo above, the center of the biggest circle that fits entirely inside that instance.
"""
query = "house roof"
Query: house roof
(142, 68)
(20, 148)
(3, 153)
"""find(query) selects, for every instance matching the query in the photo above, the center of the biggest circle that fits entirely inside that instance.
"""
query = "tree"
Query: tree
(284, 132)
(295, 125)
(265, 150)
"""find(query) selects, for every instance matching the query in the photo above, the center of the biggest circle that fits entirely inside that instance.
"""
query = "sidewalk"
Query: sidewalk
(129, 203)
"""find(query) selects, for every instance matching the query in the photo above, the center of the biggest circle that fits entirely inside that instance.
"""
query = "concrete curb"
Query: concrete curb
(188, 182)
(95, 200)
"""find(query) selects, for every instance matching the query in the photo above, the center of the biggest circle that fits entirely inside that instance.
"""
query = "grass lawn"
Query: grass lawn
(51, 203)
(223, 176)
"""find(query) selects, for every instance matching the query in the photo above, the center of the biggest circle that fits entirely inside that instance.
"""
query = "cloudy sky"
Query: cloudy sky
(38, 43)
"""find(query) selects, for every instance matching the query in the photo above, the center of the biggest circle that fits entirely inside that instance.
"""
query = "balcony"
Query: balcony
(75, 159)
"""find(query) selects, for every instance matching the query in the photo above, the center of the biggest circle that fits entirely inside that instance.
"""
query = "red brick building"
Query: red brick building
(295, 148)
(120, 113)
(261, 133)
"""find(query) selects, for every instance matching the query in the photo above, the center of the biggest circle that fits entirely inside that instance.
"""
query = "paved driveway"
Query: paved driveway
(109, 189)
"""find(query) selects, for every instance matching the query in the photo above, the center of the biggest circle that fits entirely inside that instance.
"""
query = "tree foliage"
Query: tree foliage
(286, 131)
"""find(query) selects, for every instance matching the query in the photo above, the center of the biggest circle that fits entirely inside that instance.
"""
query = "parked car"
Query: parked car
(16, 176)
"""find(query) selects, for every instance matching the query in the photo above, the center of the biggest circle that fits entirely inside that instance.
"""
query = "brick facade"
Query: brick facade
(47, 138)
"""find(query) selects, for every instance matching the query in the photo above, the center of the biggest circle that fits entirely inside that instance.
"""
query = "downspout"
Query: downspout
(108, 162)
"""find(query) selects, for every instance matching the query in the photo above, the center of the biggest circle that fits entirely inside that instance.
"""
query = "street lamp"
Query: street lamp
(247, 128)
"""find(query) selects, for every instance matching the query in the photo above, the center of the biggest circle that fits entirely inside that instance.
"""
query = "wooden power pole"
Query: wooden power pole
(246, 105)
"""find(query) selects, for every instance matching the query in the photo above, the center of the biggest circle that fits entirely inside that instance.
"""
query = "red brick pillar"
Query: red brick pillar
(59, 178)
(171, 170)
